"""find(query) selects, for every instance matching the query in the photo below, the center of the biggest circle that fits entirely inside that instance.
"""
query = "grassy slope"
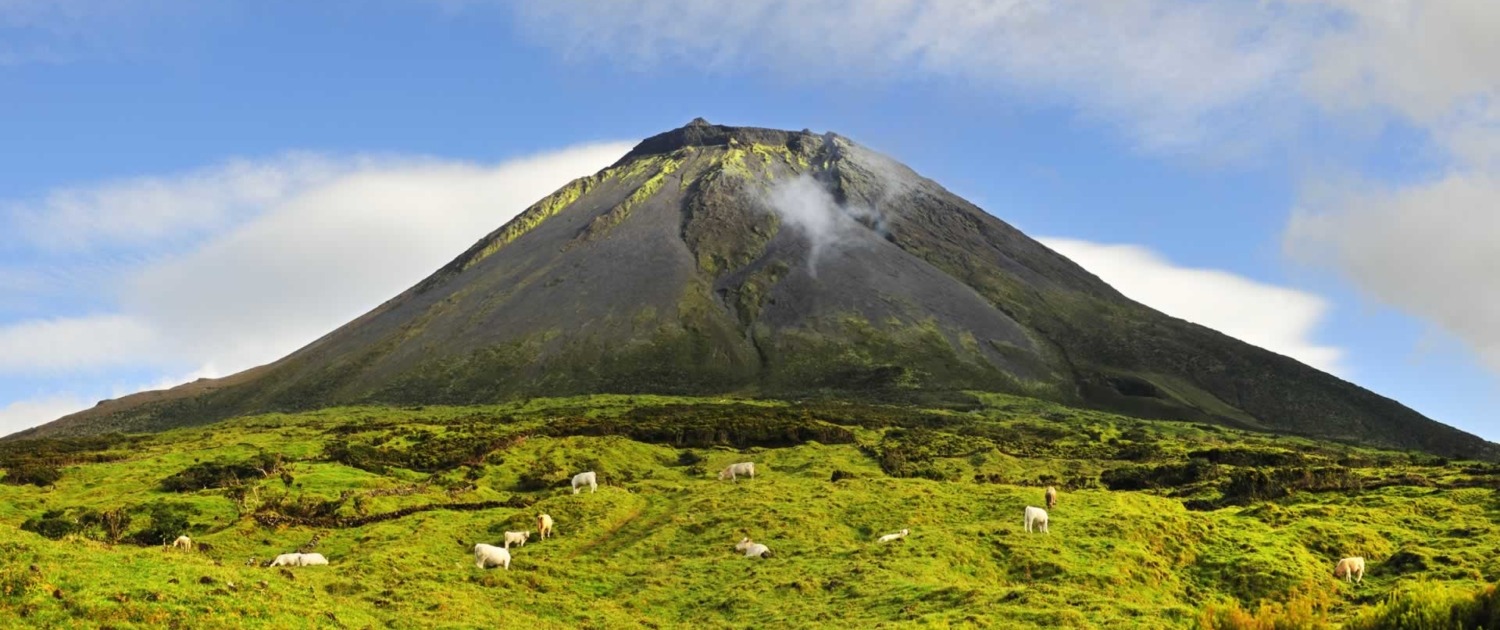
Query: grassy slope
(654, 546)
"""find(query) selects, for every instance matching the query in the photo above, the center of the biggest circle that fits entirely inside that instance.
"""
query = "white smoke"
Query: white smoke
(805, 204)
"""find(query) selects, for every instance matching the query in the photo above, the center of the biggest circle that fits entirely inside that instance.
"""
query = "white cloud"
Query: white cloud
(142, 211)
(1429, 248)
(52, 345)
(313, 243)
(1162, 68)
(1432, 250)
(30, 412)
(1276, 318)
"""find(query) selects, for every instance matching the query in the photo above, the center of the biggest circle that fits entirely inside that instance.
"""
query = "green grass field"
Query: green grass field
(396, 499)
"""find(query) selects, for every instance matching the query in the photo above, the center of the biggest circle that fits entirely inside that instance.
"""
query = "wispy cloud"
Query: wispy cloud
(1279, 319)
(300, 245)
(21, 414)
(1167, 71)
(1431, 250)
(1428, 248)
(132, 213)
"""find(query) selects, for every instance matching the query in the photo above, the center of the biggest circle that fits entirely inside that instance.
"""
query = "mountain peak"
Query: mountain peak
(701, 133)
(785, 264)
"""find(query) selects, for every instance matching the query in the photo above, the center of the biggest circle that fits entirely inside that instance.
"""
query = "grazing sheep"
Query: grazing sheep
(1351, 568)
(544, 525)
(585, 479)
(1051, 497)
(896, 536)
(183, 542)
(733, 472)
(753, 549)
(486, 556)
(1036, 517)
(298, 560)
(519, 538)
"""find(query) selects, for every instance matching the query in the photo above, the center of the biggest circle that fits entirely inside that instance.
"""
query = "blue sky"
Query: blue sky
(190, 190)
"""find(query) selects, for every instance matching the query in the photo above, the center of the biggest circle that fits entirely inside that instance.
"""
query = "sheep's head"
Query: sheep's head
(742, 544)
(905, 532)
(723, 474)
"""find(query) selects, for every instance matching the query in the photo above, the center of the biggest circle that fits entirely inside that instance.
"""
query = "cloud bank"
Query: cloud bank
(1162, 69)
(1279, 319)
(239, 264)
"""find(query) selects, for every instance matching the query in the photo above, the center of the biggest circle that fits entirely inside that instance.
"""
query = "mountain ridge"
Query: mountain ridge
(769, 263)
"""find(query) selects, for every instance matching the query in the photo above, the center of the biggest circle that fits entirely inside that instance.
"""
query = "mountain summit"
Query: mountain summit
(759, 262)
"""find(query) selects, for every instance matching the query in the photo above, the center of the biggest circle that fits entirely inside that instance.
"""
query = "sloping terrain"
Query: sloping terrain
(1157, 521)
(777, 264)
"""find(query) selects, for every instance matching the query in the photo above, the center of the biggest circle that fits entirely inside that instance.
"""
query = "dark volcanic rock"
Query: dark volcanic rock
(715, 259)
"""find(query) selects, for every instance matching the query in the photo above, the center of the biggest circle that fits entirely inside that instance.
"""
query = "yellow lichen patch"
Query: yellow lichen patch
(533, 216)
(617, 214)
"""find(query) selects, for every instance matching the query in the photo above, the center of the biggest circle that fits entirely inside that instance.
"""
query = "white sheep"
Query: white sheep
(1351, 568)
(544, 525)
(183, 542)
(1051, 496)
(585, 479)
(1036, 517)
(519, 538)
(896, 536)
(298, 560)
(753, 549)
(733, 472)
(486, 556)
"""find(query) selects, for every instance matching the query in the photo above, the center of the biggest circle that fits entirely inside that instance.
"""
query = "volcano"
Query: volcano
(714, 260)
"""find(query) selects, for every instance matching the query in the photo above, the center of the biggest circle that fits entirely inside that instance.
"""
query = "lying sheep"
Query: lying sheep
(753, 549)
(486, 556)
(519, 538)
(896, 536)
(733, 472)
(1351, 568)
(1051, 496)
(183, 542)
(1036, 517)
(298, 560)
(585, 479)
(544, 526)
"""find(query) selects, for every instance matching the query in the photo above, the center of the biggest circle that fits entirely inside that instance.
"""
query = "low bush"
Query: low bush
(34, 473)
(1427, 607)
(1159, 476)
(207, 475)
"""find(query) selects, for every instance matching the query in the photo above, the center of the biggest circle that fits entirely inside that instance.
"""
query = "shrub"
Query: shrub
(222, 474)
(1160, 476)
(912, 452)
(542, 474)
(704, 426)
(1255, 484)
(1425, 607)
(34, 473)
(56, 524)
(1298, 614)
(1248, 457)
(166, 521)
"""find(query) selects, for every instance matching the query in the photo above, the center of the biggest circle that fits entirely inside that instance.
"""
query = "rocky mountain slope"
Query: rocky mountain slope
(764, 263)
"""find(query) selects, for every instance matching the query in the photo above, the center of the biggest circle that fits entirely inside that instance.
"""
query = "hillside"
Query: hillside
(717, 260)
(1158, 522)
